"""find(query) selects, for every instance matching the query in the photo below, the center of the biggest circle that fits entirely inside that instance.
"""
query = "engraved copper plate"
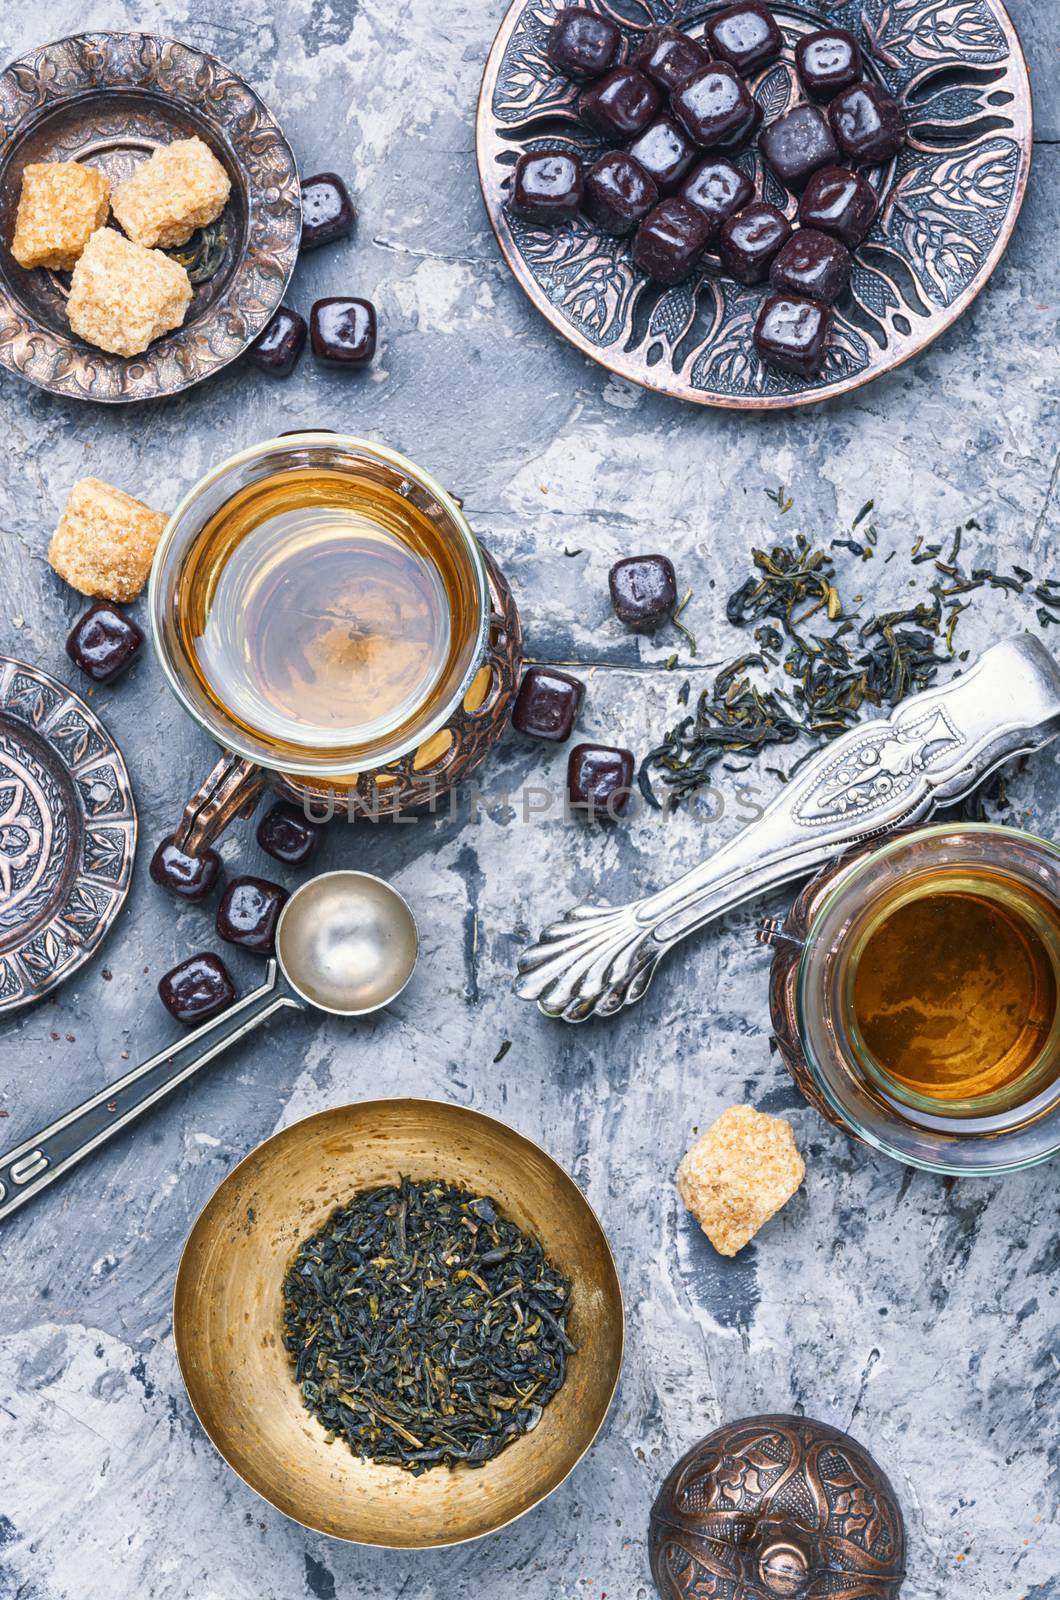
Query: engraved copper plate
(67, 833)
(948, 202)
(109, 99)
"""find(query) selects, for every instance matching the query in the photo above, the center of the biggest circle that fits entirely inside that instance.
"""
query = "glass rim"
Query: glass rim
(896, 1151)
(341, 763)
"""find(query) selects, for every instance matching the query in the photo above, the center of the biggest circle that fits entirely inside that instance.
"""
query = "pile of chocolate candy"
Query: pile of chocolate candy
(599, 776)
(675, 204)
(342, 329)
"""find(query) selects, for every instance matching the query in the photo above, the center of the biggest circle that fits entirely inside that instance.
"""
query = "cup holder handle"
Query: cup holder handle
(232, 789)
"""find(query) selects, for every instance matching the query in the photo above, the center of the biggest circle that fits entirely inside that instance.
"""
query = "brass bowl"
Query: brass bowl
(227, 1313)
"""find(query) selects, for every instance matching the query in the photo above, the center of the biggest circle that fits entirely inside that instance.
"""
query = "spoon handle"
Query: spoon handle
(37, 1162)
(933, 748)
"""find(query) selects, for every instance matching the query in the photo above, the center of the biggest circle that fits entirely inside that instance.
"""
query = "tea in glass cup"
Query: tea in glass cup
(953, 991)
(319, 611)
(915, 995)
(321, 606)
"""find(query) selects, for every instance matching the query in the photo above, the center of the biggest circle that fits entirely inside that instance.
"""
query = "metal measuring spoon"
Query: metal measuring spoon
(346, 943)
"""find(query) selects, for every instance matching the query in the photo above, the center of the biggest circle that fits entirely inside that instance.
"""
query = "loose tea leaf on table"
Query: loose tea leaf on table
(833, 670)
(204, 255)
(425, 1329)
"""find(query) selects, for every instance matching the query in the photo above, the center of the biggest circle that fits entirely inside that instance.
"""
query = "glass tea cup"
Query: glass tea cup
(235, 569)
(991, 1124)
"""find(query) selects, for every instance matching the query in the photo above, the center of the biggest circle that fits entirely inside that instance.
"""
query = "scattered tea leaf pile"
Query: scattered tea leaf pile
(424, 1328)
(836, 660)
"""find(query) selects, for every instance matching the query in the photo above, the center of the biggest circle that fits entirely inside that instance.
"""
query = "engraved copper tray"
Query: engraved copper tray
(109, 99)
(948, 203)
(67, 833)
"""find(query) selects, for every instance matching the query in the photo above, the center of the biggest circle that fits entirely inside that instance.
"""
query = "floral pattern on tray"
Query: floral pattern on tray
(949, 201)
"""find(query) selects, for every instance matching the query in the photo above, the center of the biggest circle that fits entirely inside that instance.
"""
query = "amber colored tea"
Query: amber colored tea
(321, 610)
(955, 990)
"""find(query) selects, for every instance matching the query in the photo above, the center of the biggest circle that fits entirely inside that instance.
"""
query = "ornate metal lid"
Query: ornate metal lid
(777, 1506)
(67, 833)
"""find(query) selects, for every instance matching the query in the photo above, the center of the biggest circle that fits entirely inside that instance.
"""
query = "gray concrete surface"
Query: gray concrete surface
(918, 1313)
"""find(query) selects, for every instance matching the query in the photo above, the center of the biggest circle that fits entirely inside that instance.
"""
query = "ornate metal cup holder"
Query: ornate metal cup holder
(420, 778)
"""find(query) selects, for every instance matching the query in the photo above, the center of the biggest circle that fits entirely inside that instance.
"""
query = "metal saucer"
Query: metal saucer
(109, 99)
(67, 833)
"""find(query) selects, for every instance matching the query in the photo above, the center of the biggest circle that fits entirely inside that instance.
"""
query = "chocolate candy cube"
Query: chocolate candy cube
(248, 913)
(827, 62)
(669, 58)
(582, 44)
(343, 331)
(643, 590)
(715, 107)
(188, 877)
(547, 704)
(547, 187)
(718, 189)
(791, 334)
(197, 989)
(745, 135)
(670, 240)
(868, 124)
(841, 203)
(103, 642)
(618, 193)
(286, 834)
(798, 144)
(665, 152)
(621, 105)
(812, 264)
(327, 210)
(751, 239)
(745, 35)
(278, 346)
(599, 779)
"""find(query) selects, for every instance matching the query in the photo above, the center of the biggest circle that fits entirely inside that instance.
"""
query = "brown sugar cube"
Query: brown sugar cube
(60, 205)
(739, 1174)
(182, 187)
(105, 541)
(123, 296)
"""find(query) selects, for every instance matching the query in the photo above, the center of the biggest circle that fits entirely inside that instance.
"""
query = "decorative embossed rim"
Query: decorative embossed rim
(632, 365)
(58, 933)
(260, 151)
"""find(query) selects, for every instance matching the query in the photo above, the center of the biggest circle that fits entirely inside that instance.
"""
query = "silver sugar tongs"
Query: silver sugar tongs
(932, 749)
